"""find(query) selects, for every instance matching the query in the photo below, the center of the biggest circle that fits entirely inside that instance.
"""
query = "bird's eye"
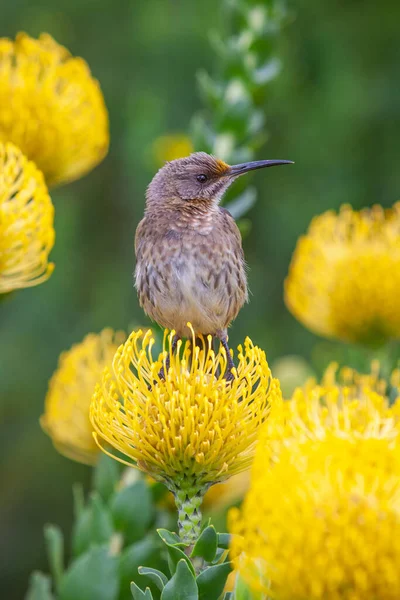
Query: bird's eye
(201, 178)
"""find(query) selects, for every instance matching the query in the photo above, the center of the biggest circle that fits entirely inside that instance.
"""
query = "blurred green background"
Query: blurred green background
(334, 110)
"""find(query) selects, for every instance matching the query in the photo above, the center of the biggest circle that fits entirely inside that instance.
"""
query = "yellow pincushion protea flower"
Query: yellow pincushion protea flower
(323, 523)
(66, 416)
(52, 108)
(325, 483)
(26, 222)
(192, 429)
(344, 279)
(346, 404)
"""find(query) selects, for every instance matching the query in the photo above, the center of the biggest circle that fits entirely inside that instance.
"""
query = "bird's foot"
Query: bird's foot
(229, 376)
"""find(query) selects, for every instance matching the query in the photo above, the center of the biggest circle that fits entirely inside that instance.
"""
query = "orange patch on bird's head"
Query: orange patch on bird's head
(222, 167)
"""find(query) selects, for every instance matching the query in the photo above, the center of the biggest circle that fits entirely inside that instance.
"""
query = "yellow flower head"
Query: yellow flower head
(344, 279)
(51, 107)
(346, 404)
(325, 484)
(323, 523)
(66, 416)
(170, 147)
(192, 429)
(26, 222)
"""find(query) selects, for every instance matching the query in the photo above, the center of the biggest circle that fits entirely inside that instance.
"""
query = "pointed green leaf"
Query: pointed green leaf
(94, 526)
(92, 576)
(206, 523)
(182, 586)
(212, 580)
(138, 594)
(55, 551)
(39, 587)
(175, 554)
(224, 539)
(155, 575)
(170, 537)
(206, 545)
(133, 510)
(106, 476)
(220, 554)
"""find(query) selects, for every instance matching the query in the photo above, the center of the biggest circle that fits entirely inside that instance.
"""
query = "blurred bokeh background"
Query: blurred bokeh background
(334, 110)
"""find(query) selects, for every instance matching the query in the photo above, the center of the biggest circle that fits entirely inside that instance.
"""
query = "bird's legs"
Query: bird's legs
(223, 338)
(174, 344)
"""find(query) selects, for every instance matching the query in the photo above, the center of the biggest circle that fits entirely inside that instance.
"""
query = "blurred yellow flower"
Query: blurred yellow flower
(192, 429)
(323, 523)
(344, 279)
(170, 147)
(66, 416)
(325, 484)
(346, 404)
(26, 222)
(51, 107)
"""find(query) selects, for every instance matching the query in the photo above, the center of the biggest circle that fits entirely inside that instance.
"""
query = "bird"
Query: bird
(190, 265)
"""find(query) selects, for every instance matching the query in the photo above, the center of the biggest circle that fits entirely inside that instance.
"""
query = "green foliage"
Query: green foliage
(233, 124)
(211, 581)
(93, 526)
(106, 476)
(199, 578)
(175, 554)
(55, 551)
(145, 552)
(206, 545)
(132, 510)
(182, 585)
(39, 587)
(92, 576)
(138, 594)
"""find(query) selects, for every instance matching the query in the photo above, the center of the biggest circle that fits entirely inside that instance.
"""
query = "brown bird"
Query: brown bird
(190, 265)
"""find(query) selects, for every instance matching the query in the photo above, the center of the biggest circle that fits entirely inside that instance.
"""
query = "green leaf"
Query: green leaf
(212, 580)
(207, 544)
(39, 587)
(92, 576)
(170, 537)
(182, 586)
(55, 551)
(224, 540)
(133, 510)
(228, 596)
(94, 526)
(138, 594)
(145, 552)
(155, 575)
(106, 476)
(175, 554)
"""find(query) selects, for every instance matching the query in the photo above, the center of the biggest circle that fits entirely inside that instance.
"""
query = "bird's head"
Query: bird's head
(199, 178)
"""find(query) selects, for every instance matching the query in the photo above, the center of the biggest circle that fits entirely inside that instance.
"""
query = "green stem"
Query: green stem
(188, 503)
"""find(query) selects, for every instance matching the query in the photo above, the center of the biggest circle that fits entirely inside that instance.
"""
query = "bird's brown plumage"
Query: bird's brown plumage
(190, 268)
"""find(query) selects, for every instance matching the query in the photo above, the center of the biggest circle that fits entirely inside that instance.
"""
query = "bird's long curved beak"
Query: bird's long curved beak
(255, 164)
